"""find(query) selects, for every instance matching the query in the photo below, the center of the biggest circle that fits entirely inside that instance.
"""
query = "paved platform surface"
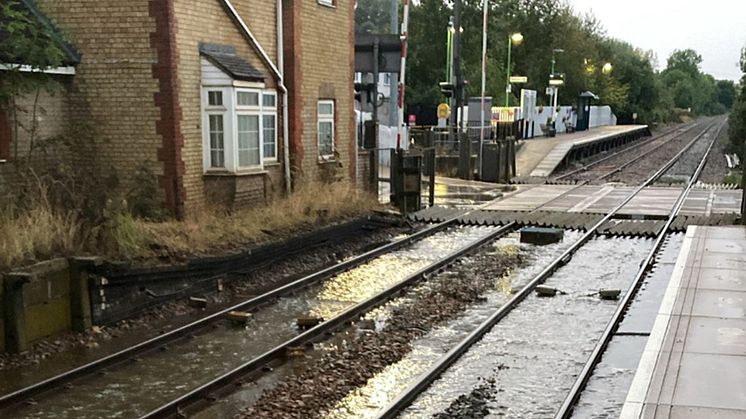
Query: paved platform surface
(540, 156)
(694, 364)
(652, 201)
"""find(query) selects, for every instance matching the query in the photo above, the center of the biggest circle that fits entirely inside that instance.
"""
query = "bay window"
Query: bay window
(240, 127)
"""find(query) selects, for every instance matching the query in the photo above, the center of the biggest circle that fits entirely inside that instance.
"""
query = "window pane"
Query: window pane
(326, 108)
(215, 98)
(326, 138)
(217, 139)
(248, 140)
(270, 136)
(248, 98)
(269, 100)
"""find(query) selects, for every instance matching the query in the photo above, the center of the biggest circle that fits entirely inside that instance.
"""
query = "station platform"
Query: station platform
(694, 363)
(540, 156)
(652, 202)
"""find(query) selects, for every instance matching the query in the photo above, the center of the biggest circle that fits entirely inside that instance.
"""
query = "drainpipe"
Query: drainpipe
(285, 118)
(277, 73)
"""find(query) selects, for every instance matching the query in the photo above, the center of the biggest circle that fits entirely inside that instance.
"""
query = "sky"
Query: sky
(716, 29)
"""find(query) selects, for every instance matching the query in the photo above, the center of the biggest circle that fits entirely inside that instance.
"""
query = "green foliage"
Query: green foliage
(373, 16)
(737, 118)
(633, 86)
(24, 40)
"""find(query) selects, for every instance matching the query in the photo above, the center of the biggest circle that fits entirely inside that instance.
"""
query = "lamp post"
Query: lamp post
(484, 84)
(555, 87)
(606, 69)
(515, 38)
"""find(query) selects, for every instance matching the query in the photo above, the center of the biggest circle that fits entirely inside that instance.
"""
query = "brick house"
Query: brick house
(228, 101)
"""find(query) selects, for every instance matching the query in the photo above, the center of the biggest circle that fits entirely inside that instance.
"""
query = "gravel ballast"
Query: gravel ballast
(102, 340)
(331, 377)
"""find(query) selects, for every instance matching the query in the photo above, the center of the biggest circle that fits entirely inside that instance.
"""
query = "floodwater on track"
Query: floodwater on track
(606, 391)
(159, 377)
(535, 353)
(367, 401)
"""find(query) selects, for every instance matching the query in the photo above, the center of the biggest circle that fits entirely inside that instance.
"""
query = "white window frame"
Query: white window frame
(327, 3)
(231, 110)
(269, 111)
(224, 111)
(250, 110)
(325, 118)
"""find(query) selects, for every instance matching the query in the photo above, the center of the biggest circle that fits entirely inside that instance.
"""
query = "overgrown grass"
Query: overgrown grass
(41, 232)
(36, 234)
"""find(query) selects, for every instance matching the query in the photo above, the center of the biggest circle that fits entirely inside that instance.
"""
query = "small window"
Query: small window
(326, 2)
(217, 141)
(269, 123)
(215, 98)
(269, 100)
(326, 128)
(247, 98)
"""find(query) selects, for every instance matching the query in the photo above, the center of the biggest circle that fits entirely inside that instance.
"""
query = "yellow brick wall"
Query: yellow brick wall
(114, 85)
(208, 21)
(326, 66)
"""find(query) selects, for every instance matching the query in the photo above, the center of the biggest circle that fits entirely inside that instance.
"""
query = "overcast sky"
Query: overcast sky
(716, 29)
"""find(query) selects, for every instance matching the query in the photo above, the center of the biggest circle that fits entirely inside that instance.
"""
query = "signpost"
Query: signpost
(518, 79)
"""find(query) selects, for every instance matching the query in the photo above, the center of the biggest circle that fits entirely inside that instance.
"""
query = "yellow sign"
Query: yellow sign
(444, 111)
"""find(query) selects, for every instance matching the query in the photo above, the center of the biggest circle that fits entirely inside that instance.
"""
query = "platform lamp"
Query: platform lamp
(514, 38)
(555, 81)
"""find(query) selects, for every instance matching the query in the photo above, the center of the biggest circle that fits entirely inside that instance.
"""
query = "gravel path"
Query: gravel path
(327, 380)
(101, 341)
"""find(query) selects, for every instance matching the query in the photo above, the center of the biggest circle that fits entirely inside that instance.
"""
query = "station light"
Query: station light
(517, 38)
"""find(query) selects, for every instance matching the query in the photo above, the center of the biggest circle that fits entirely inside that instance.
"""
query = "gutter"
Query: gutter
(279, 75)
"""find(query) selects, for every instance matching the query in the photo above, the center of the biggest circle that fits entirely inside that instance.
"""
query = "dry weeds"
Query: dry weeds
(42, 232)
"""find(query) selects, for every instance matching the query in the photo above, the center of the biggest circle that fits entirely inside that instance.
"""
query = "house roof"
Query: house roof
(71, 55)
(224, 56)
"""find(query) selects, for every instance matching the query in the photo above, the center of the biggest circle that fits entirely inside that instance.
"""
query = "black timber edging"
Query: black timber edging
(120, 290)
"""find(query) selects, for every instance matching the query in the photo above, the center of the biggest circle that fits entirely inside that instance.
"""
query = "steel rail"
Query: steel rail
(625, 150)
(427, 378)
(573, 396)
(182, 331)
(203, 392)
(636, 159)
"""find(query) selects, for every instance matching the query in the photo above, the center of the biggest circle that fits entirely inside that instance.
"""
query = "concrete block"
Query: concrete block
(541, 235)
(240, 318)
(308, 321)
(198, 302)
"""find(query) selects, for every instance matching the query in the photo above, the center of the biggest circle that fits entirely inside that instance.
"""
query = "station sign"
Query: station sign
(518, 79)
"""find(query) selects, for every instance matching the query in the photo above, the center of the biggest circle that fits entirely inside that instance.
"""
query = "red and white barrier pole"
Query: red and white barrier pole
(485, 6)
(403, 72)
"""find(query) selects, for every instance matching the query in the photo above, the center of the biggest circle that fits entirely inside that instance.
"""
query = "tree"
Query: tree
(686, 60)
(737, 118)
(25, 40)
(373, 16)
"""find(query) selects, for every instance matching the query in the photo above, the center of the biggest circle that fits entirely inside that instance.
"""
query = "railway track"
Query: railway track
(133, 352)
(423, 382)
(87, 375)
(566, 409)
(616, 162)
